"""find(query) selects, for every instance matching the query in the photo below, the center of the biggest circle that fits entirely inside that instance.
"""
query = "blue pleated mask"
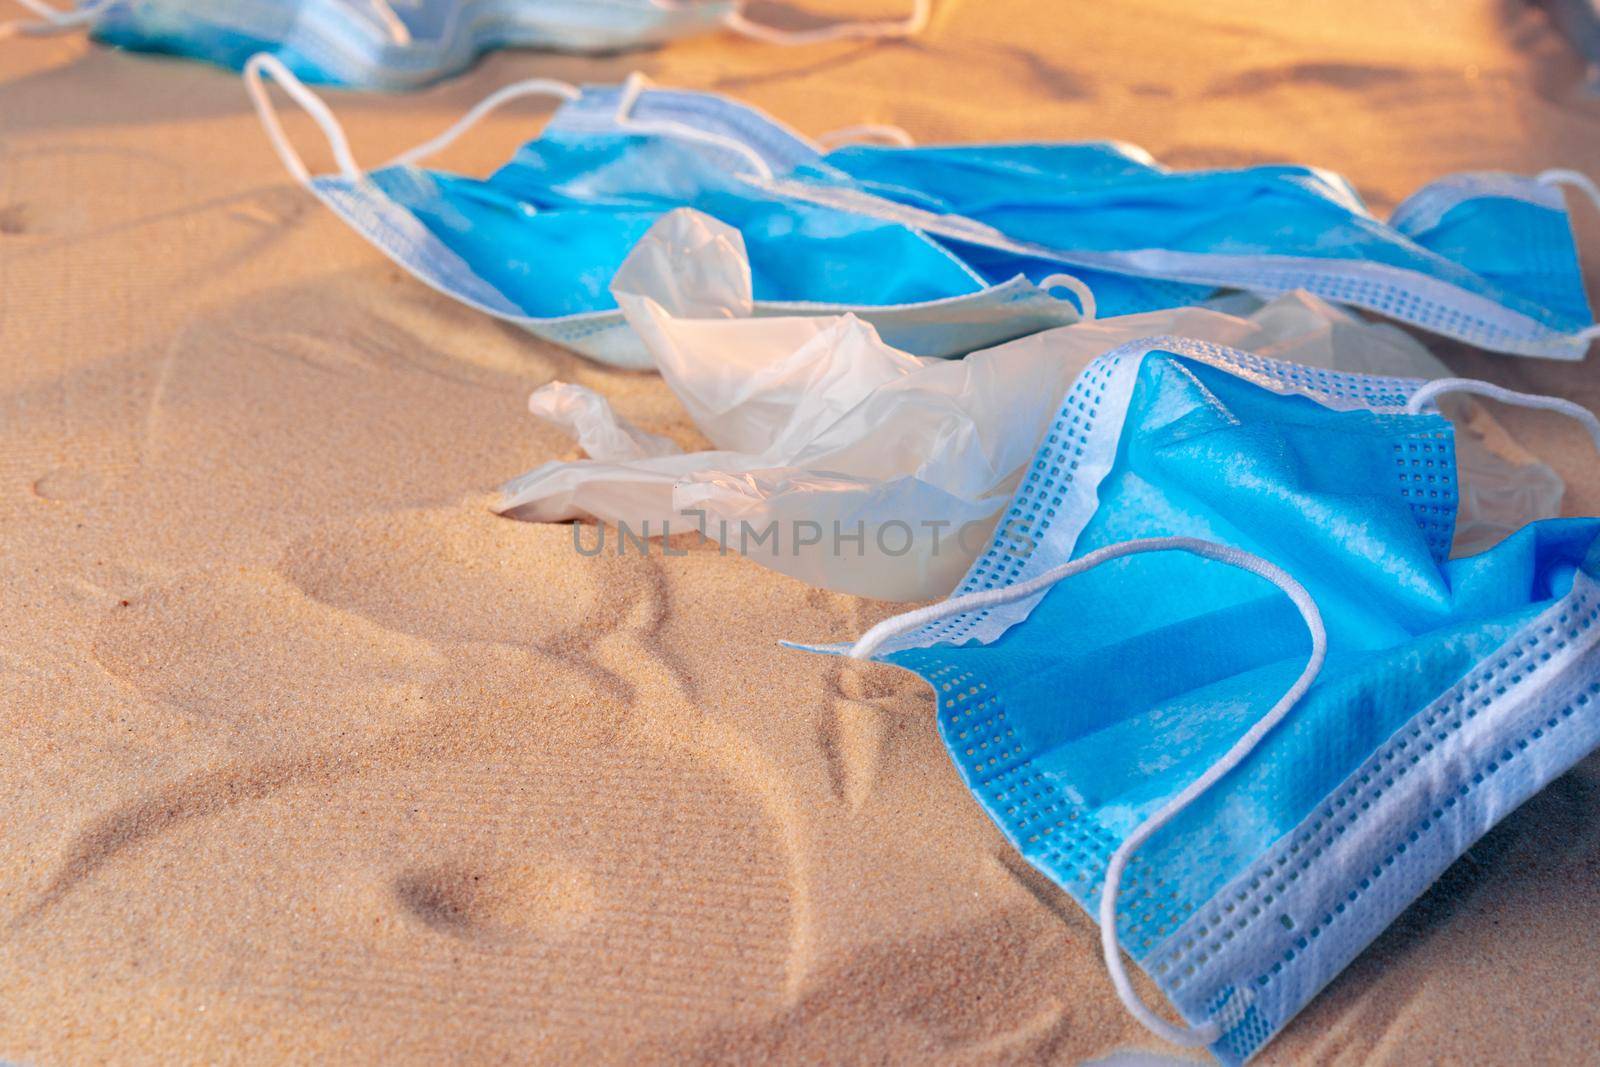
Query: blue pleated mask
(538, 242)
(1247, 783)
(404, 44)
(1484, 258)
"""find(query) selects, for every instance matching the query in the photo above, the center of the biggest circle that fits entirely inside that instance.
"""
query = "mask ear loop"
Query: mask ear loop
(635, 85)
(1209, 1032)
(1078, 288)
(910, 26)
(515, 91)
(398, 31)
(51, 19)
(1586, 185)
(264, 64)
(1575, 178)
(1430, 390)
(867, 133)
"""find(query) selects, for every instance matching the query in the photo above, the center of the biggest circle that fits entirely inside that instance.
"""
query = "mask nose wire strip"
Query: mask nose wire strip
(635, 85)
(262, 64)
(1586, 185)
(1208, 1033)
(52, 19)
(1432, 389)
(910, 26)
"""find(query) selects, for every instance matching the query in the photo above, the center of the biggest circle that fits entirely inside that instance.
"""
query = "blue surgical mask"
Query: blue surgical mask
(404, 44)
(1488, 259)
(1217, 677)
(538, 242)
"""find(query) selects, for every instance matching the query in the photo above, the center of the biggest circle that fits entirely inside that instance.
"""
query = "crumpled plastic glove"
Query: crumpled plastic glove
(854, 466)
(599, 431)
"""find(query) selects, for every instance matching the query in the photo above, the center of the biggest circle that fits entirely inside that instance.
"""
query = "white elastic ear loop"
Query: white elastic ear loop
(1085, 295)
(399, 32)
(867, 133)
(1586, 185)
(1208, 1033)
(52, 19)
(1430, 390)
(531, 87)
(910, 26)
(1575, 178)
(636, 83)
(263, 63)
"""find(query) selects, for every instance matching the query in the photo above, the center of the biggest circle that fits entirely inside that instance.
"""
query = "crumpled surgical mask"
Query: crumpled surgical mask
(845, 462)
(1220, 682)
(404, 44)
(1486, 258)
(1501, 485)
(538, 242)
(897, 233)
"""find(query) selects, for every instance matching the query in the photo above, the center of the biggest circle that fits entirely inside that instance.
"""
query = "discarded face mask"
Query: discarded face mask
(849, 464)
(537, 243)
(1487, 259)
(1501, 486)
(405, 44)
(1247, 784)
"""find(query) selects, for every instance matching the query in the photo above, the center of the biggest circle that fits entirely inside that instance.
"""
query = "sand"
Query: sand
(307, 755)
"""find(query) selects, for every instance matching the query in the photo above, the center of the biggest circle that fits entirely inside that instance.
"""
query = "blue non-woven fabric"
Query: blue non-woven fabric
(1453, 689)
(1488, 258)
(539, 241)
(1484, 258)
(548, 231)
(404, 44)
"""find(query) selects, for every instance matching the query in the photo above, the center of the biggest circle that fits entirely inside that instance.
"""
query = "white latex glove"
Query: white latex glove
(855, 466)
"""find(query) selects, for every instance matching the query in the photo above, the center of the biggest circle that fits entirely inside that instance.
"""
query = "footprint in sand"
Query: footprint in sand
(605, 878)
(544, 899)
(506, 819)
(494, 589)
(273, 208)
(13, 220)
(462, 574)
(247, 657)
(69, 483)
(272, 686)
(21, 219)
(564, 887)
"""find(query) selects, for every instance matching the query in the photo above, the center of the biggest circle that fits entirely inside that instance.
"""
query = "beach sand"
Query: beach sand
(307, 755)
